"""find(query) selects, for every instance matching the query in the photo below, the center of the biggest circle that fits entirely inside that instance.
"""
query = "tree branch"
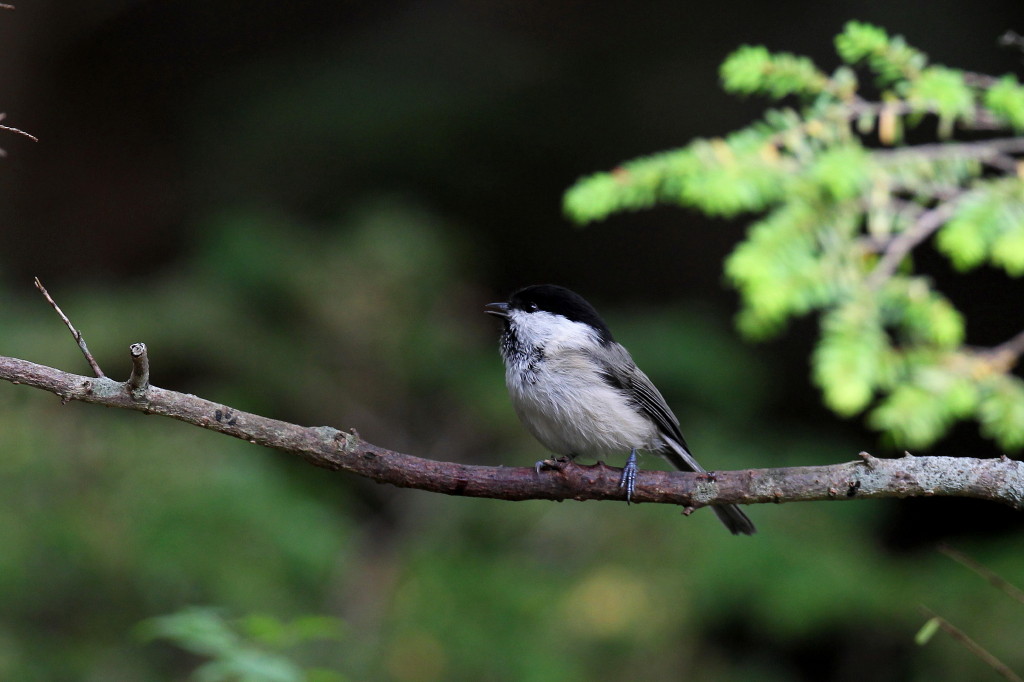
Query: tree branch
(999, 480)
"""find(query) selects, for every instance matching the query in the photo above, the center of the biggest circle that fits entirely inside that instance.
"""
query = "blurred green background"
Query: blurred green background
(301, 209)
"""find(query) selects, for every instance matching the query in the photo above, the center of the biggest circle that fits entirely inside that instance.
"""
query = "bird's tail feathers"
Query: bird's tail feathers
(679, 457)
(734, 519)
(732, 516)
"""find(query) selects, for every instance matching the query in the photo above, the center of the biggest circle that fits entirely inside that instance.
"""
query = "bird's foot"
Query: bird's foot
(628, 479)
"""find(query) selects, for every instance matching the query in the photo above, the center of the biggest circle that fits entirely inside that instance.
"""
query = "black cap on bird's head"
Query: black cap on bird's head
(551, 298)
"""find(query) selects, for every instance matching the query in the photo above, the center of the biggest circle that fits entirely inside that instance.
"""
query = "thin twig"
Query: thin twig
(905, 242)
(979, 80)
(16, 130)
(20, 132)
(980, 119)
(74, 332)
(1014, 346)
(980, 150)
(993, 579)
(1001, 358)
(972, 646)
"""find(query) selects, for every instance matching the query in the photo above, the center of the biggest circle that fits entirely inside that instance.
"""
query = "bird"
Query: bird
(579, 392)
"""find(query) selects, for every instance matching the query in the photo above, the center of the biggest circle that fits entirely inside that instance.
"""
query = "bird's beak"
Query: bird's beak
(499, 309)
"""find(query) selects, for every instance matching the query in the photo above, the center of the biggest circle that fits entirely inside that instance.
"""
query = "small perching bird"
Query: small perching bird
(580, 393)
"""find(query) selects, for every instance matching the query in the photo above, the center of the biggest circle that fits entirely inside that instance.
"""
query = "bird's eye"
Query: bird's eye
(532, 307)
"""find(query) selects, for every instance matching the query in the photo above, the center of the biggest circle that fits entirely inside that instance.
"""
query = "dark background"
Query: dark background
(301, 208)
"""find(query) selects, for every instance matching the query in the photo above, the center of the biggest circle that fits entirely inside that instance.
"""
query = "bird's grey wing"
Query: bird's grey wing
(618, 369)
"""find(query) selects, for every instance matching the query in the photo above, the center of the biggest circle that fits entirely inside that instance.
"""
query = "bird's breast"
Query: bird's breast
(565, 403)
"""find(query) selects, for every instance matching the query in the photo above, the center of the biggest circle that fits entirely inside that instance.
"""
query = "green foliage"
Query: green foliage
(889, 57)
(719, 177)
(927, 631)
(988, 226)
(922, 317)
(250, 649)
(922, 405)
(941, 90)
(860, 41)
(841, 171)
(847, 359)
(842, 216)
(1001, 410)
(753, 70)
(781, 270)
(1006, 100)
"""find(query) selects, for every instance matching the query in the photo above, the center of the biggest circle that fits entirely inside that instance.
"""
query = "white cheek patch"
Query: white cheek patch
(553, 332)
(542, 329)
